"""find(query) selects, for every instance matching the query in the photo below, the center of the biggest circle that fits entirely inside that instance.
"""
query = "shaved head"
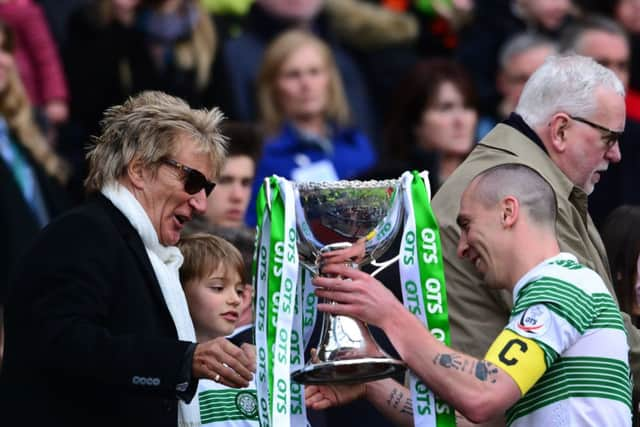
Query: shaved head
(533, 192)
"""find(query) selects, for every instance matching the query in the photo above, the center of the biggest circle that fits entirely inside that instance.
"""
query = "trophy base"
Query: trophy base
(348, 371)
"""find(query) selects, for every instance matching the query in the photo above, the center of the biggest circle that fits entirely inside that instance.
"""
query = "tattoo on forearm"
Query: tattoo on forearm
(481, 369)
(396, 401)
(486, 371)
(449, 361)
(394, 398)
(407, 408)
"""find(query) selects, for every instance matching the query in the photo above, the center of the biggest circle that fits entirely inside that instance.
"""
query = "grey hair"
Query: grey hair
(571, 37)
(565, 83)
(523, 42)
(146, 126)
(533, 192)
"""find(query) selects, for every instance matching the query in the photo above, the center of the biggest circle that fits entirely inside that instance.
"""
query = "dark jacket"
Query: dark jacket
(89, 338)
(17, 221)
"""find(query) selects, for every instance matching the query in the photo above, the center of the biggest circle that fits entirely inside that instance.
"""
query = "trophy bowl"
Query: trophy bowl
(330, 216)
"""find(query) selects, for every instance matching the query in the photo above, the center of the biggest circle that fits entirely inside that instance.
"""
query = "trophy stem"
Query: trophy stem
(347, 353)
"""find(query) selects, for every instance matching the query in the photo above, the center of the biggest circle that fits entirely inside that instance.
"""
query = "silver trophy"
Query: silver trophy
(363, 215)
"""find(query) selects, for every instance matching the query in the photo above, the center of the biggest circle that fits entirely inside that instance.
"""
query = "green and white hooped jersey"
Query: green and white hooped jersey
(222, 406)
(566, 309)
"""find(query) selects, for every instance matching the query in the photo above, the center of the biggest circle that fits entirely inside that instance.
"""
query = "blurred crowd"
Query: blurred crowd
(312, 90)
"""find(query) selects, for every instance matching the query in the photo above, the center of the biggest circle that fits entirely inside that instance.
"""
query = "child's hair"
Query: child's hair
(204, 253)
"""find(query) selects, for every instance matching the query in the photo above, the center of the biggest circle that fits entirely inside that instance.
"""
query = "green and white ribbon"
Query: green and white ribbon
(263, 321)
(279, 322)
(309, 303)
(423, 288)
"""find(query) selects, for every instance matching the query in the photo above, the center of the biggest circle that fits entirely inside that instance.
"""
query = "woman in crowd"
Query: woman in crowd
(431, 121)
(621, 236)
(31, 173)
(118, 48)
(305, 113)
(37, 59)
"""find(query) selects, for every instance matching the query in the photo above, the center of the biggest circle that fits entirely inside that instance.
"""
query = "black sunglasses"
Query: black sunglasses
(609, 136)
(194, 180)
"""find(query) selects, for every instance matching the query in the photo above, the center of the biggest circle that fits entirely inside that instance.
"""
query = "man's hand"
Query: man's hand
(329, 395)
(356, 294)
(223, 362)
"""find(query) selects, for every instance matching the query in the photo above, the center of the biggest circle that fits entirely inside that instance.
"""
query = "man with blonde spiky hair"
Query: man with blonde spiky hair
(98, 328)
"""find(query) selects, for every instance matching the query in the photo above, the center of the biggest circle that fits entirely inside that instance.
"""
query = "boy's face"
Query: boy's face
(214, 303)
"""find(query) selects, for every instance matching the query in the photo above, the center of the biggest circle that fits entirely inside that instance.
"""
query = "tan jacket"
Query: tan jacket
(477, 313)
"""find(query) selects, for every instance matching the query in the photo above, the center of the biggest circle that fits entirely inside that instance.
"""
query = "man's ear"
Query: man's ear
(558, 126)
(136, 172)
(509, 211)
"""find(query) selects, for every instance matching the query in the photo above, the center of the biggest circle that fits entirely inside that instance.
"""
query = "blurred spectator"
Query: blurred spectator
(227, 204)
(58, 13)
(518, 58)
(606, 42)
(31, 173)
(384, 43)
(236, 7)
(432, 122)
(98, 60)
(621, 237)
(305, 114)
(239, 58)
(440, 21)
(369, 26)
(181, 43)
(118, 48)
(37, 58)
(493, 24)
(627, 14)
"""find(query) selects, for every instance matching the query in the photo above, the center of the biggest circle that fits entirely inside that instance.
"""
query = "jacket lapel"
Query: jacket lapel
(133, 240)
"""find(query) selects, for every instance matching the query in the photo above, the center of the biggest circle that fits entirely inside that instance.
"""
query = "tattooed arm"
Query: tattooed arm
(478, 389)
(392, 400)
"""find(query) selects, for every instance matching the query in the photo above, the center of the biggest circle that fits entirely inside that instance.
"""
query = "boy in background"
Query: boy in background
(214, 282)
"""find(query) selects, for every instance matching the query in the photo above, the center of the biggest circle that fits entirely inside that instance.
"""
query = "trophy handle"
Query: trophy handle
(383, 265)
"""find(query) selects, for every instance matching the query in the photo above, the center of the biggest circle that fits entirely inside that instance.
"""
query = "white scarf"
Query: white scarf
(166, 262)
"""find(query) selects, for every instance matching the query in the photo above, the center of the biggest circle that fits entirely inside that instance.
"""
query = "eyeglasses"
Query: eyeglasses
(609, 137)
(194, 180)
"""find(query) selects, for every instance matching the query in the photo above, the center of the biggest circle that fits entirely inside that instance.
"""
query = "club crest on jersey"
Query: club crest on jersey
(247, 403)
(535, 320)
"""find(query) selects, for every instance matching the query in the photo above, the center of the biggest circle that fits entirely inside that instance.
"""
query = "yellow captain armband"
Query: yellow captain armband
(521, 358)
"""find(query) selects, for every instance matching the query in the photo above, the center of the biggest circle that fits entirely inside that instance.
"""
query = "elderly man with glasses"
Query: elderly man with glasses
(97, 326)
(565, 127)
